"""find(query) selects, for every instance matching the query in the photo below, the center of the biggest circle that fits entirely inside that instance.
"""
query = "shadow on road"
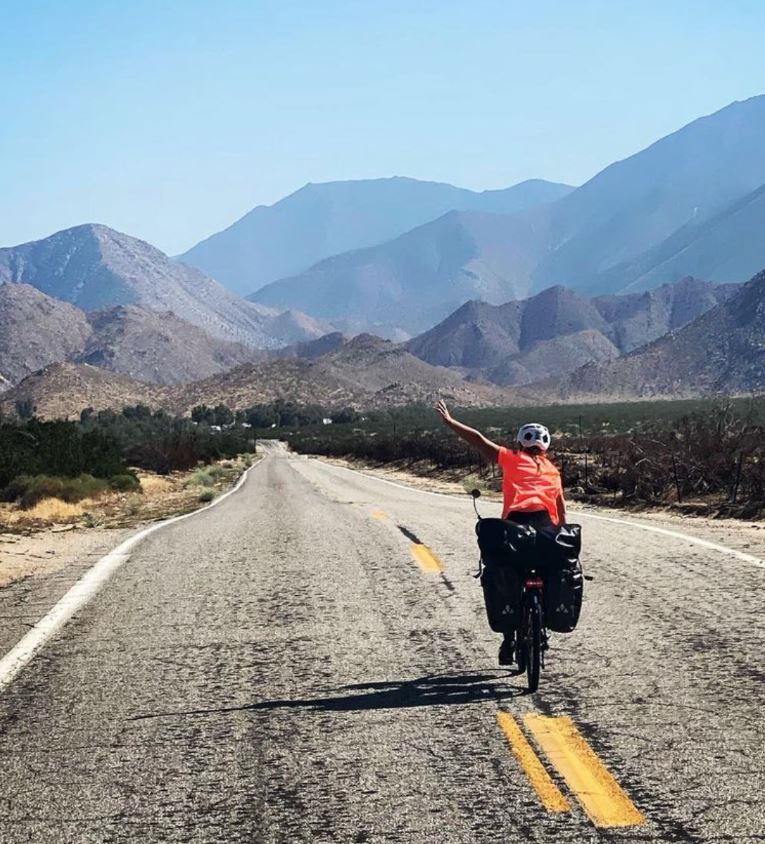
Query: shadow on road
(431, 690)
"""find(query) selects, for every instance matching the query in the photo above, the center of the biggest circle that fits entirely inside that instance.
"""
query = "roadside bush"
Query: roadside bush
(201, 478)
(31, 490)
(125, 483)
(207, 495)
(56, 449)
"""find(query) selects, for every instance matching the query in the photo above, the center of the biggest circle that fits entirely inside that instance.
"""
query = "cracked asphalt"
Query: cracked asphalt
(280, 669)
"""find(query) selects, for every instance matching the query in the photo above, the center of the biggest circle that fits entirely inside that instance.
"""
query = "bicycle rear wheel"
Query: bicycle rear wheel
(533, 643)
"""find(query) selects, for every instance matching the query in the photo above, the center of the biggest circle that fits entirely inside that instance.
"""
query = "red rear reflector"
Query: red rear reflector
(536, 583)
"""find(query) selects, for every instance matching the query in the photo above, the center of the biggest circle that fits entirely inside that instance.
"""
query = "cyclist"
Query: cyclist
(531, 484)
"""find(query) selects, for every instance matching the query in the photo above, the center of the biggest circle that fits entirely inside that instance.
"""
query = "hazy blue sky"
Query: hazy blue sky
(168, 119)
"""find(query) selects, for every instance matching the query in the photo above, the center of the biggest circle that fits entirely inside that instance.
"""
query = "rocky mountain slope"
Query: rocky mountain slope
(156, 347)
(36, 330)
(95, 267)
(321, 220)
(558, 330)
(721, 351)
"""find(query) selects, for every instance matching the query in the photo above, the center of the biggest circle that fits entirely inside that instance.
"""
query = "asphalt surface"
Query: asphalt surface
(285, 667)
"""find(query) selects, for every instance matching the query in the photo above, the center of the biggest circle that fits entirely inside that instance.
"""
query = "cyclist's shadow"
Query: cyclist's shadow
(431, 690)
(460, 689)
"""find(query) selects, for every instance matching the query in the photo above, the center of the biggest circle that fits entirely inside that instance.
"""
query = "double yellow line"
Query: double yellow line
(566, 749)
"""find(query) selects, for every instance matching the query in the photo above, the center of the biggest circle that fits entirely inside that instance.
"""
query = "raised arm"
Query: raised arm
(475, 438)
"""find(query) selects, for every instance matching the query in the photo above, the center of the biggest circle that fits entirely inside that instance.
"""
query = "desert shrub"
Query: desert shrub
(90, 520)
(125, 483)
(201, 478)
(207, 495)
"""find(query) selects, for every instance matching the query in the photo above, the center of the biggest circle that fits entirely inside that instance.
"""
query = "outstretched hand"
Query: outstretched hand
(444, 411)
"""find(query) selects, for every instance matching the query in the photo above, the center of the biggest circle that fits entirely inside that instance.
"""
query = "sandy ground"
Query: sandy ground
(747, 536)
(46, 552)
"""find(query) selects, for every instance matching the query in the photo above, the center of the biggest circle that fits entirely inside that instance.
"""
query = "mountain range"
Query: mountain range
(689, 204)
(404, 286)
(95, 267)
(363, 372)
(321, 220)
(722, 351)
(558, 330)
(627, 286)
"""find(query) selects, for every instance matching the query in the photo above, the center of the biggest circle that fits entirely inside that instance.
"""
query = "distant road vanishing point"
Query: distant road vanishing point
(309, 661)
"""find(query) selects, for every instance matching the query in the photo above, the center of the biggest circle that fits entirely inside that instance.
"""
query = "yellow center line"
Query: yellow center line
(427, 560)
(593, 784)
(379, 515)
(548, 792)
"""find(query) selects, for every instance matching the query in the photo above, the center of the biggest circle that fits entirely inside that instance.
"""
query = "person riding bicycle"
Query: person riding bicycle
(532, 491)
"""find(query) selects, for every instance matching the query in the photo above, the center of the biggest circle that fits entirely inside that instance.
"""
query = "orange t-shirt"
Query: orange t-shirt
(529, 483)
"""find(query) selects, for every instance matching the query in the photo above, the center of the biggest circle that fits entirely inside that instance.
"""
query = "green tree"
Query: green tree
(25, 409)
(223, 415)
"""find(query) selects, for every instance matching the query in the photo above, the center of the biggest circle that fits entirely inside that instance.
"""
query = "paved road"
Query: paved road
(295, 666)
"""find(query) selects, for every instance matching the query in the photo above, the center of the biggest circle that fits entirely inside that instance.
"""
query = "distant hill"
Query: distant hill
(721, 351)
(62, 390)
(36, 330)
(95, 267)
(312, 349)
(558, 330)
(363, 372)
(321, 220)
(404, 286)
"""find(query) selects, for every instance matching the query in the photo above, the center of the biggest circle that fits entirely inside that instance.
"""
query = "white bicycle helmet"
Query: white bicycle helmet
(533, 434)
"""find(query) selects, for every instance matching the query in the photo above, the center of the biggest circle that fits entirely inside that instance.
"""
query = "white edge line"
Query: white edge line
(84, 590)
(693, 540)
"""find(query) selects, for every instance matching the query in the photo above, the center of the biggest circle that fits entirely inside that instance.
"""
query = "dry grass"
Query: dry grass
(49, 510)
(155, 485)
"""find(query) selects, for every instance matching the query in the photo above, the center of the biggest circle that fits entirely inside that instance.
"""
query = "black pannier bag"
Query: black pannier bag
(506, 548)
(563, 578)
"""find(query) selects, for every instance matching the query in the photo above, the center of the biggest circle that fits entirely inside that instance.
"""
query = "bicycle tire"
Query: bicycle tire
(533, 643)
